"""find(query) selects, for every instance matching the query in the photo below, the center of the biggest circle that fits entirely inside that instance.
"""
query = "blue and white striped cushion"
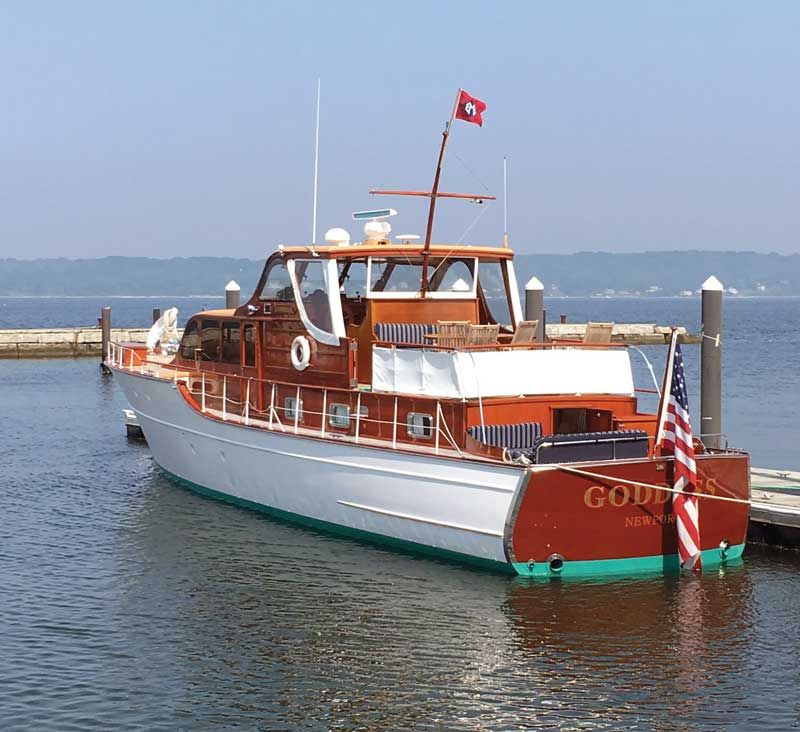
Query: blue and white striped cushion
(512, 436)
(404, 332)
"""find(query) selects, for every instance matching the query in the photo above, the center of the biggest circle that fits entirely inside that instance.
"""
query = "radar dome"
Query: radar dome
(337, 236)
(377, 229)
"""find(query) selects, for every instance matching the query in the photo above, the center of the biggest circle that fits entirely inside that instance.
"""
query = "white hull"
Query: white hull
(440, 503)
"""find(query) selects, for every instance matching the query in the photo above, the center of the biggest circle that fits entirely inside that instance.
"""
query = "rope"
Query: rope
(483, 210)
(577, 471)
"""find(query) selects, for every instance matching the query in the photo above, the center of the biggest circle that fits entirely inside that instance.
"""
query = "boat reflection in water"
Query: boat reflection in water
(273, 622)
(636, 649)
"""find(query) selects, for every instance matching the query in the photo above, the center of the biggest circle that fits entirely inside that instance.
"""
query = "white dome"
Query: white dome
(377, 229)
(337, 236)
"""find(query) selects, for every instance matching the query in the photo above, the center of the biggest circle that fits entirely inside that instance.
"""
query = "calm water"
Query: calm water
(128, 603)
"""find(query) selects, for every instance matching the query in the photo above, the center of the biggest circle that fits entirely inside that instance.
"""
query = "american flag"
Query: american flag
(675, 437)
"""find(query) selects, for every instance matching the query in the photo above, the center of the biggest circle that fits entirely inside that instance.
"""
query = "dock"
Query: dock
(62, 342)
(775, 507)
(87, 341)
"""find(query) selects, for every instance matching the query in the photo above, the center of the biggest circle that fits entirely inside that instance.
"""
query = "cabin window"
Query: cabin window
(231, 340)
(209, 340)
(493, 285)
(448, 277)
(190, 343)
(293, 409)
(316, 283)
(314, 294)
(420, 425)
(353, 278)
(339, 415)
(277, 285)
(452, 275)
(250, 345)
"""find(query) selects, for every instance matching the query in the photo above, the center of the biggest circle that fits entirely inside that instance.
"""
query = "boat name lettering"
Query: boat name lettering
(598, 496)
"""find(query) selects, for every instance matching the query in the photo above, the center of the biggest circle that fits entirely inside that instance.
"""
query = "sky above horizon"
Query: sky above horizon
(187, 128)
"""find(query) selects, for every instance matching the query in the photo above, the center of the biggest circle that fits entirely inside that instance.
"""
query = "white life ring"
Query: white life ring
(300, 353)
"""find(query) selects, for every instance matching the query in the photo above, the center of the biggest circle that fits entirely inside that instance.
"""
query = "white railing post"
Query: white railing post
(271, 405)
(394, 425)
(358, 415)
(247, 405)
(438, 416)
(203, 394)
(324, 412)
(224, 397)
(296, 409)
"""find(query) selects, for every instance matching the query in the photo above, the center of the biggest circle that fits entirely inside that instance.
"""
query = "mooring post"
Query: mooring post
(156, 315)
(232, 295)
(711, 363)
(534, 305)
(105, 337)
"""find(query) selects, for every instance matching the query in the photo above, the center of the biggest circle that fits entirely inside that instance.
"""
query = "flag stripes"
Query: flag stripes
(676, 439)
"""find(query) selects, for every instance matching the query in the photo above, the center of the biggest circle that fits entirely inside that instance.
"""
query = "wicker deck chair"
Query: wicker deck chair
(525, 332)
(452, 333)
(483, 335)
(598, 332)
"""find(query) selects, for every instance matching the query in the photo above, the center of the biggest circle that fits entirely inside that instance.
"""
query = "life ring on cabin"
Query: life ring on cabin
(300, 353)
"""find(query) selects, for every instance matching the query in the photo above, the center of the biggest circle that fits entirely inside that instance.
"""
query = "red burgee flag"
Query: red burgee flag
(470, 109)
(675, 437)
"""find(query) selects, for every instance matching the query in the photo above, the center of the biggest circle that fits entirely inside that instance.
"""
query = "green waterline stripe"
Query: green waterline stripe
(656, 564)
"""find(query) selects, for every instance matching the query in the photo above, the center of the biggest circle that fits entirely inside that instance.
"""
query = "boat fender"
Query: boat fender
(301, 353)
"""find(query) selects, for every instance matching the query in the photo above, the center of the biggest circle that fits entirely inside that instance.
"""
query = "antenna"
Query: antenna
(505, 202)
(316, 170)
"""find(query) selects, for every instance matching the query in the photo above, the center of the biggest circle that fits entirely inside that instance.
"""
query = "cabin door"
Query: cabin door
(250, 355)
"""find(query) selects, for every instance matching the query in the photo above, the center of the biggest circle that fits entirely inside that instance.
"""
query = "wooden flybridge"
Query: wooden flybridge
(396, 392)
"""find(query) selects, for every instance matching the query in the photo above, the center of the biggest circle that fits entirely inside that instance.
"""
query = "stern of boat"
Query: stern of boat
(599, 519)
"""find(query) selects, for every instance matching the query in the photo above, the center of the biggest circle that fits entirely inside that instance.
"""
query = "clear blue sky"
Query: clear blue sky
(186, 128)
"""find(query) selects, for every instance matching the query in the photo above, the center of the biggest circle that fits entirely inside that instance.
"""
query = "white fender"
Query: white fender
(300, 353)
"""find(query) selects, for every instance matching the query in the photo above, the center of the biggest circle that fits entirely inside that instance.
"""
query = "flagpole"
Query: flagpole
(505, 202)
(434, 191)
(316, 169)
(666, 389)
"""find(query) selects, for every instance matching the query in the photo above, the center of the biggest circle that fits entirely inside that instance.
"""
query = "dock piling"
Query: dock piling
(711, 363)
(156, 315)
(105, 337)
(232, 295)
(534, 305)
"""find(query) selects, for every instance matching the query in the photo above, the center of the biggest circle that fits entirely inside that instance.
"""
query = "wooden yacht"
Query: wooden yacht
(391, 389)
(342, 395)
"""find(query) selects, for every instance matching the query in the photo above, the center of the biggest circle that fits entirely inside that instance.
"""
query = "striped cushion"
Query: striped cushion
(404, 332)
(512, 436)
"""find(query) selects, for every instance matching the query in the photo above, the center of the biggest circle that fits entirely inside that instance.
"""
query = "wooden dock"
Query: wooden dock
(86, 341)
(775, 507)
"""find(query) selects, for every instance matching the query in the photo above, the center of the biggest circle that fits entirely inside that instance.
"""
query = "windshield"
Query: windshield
(401, 276)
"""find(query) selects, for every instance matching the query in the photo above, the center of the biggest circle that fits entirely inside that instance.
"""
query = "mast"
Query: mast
(316, 170)
(434, 193)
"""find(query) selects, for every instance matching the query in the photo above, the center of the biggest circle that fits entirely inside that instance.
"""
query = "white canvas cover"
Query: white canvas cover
(469, 374)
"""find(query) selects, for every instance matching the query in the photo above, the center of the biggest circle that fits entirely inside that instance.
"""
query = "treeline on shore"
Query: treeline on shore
(581, 274)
